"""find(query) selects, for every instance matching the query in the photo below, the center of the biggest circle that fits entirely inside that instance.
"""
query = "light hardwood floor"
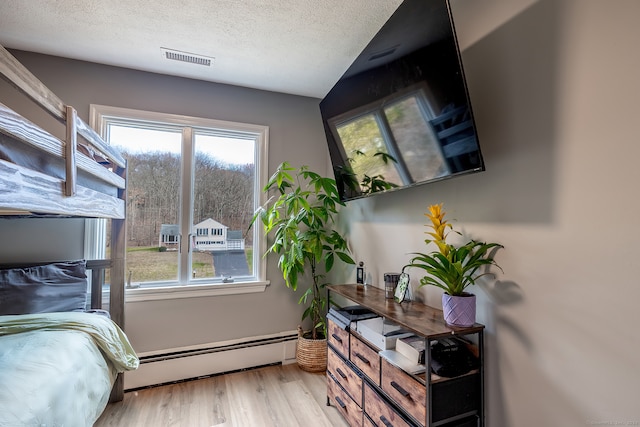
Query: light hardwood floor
(281, 395)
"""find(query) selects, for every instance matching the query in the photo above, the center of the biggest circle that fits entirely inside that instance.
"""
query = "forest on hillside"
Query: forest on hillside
(222, 192)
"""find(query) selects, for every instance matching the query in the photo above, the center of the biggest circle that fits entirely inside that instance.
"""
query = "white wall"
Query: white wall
(554, 86)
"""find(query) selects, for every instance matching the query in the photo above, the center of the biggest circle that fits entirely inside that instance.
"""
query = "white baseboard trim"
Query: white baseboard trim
(170, 365)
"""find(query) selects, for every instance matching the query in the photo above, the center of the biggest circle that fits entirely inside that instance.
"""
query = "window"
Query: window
(189, 179)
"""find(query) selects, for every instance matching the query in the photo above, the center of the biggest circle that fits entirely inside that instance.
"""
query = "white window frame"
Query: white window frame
(100, 115)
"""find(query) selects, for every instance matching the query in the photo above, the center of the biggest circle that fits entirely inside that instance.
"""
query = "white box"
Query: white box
(381, 334)
(402, 362)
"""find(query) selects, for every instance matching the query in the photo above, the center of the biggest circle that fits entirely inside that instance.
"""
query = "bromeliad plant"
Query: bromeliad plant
(451, 268)
(300, 216)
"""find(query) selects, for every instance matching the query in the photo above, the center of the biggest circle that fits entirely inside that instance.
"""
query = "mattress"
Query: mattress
(57, 369)
(21, 154)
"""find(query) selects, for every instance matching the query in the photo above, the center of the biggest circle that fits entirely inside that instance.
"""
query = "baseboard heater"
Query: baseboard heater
(191, 363)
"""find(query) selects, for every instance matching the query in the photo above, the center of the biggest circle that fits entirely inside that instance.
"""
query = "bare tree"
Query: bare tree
(222, 192)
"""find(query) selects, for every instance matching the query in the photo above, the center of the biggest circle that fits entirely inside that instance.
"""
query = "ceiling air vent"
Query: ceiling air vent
(191, 58)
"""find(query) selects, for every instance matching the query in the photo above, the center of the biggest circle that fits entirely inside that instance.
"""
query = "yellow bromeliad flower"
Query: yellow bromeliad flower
(439, 226)
(451, 268)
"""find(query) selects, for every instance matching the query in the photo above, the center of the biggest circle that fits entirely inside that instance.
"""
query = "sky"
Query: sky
(233, 151)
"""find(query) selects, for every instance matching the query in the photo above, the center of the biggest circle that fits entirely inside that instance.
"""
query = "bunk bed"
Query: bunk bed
(61, 355)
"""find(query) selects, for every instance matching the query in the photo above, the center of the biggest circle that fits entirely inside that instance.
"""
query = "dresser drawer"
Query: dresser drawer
(405, 390)
(365, 358)
(341, 400)
(367, 421)
(379, 410)
(346, 376)
(338, 338)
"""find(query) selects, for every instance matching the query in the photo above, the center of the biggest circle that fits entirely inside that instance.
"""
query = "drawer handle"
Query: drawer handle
(385, 421)
(337, 338)
(341, 373)
(340, 402)
(361, 357)
(402, 391)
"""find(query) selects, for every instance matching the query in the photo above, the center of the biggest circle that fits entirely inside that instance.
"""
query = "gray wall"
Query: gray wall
(554, 85)
(295, 134)
(41, 239)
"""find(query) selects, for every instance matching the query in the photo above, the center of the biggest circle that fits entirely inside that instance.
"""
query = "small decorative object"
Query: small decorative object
(300, 215)
(390, 283)
(453, 268)
(360, 273)
(403, 286)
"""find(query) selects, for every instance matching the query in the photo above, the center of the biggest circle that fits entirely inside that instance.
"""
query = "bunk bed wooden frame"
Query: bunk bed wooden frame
(28, 192)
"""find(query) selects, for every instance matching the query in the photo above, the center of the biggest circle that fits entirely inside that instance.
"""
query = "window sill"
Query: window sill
(194, 291)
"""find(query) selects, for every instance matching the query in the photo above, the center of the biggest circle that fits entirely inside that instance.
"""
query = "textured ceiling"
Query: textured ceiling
(300, 47)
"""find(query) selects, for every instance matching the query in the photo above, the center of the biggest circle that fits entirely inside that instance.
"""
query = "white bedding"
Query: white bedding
(57, 369)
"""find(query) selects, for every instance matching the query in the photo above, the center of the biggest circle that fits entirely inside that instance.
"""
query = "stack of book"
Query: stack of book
(412, 347)
(397, 359)
(380, 333)
(408, 354)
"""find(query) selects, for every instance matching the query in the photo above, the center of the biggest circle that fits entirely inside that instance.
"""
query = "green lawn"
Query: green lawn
(148, 264)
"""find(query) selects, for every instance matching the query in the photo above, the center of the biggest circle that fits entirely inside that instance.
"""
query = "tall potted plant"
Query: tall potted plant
(300, 217)
(453, 268)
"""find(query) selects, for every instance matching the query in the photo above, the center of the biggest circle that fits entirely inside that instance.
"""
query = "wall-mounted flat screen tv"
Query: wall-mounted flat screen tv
(400, 115)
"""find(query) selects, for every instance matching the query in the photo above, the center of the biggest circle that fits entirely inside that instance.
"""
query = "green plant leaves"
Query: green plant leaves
(451, 268)
(345, 257)
(457, 270)
(300, 217)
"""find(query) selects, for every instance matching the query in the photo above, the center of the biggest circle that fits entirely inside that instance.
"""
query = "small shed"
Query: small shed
(169, 236)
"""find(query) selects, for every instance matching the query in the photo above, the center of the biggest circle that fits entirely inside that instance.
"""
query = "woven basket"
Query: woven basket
(311, 354)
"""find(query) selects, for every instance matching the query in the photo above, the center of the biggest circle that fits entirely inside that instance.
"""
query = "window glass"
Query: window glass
(153, 198)
(191, 194)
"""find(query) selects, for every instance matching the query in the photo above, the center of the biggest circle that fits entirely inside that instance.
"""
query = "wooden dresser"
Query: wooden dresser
(368, 390)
